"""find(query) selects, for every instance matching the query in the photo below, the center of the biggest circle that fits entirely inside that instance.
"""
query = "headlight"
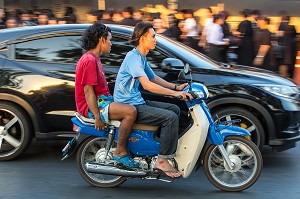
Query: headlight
(202, 94)
(281, 90)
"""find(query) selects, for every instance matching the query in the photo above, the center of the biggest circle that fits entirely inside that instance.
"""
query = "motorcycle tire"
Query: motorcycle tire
(87, 153)
(247, 164)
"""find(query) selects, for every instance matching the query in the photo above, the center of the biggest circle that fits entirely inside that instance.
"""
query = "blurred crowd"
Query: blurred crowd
(251, 42)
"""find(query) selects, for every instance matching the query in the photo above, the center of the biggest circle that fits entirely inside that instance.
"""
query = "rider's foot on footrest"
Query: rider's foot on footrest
(127, 161)
(161, 175)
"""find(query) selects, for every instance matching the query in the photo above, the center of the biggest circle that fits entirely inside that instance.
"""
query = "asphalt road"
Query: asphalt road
(39, 173)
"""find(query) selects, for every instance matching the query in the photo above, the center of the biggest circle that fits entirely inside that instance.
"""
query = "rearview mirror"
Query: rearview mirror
(172, 65)
(186, 68)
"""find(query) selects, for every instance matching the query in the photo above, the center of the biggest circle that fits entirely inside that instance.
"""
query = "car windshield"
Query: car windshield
(188, 54)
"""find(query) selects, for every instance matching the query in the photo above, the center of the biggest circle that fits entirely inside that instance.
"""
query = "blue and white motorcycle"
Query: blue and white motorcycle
(231, 161)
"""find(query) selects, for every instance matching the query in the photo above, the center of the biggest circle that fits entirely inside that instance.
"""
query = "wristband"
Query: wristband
(175, 87)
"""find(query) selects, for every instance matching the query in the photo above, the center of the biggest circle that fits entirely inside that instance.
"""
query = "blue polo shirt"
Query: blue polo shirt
(127, 84)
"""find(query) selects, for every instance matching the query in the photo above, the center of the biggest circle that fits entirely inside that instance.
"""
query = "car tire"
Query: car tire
(15, 131)
(248, 121)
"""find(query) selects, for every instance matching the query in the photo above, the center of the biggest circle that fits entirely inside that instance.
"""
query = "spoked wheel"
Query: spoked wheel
(15, 131)
(92, 150)
(246, 162)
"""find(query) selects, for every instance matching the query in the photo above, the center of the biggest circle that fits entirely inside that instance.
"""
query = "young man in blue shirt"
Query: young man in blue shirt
(134, 71)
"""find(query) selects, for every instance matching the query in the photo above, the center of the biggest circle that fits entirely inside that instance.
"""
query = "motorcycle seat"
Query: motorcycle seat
(116, 123)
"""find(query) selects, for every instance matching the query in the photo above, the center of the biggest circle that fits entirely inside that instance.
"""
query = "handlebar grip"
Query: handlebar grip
(193, 95)
(179, 97)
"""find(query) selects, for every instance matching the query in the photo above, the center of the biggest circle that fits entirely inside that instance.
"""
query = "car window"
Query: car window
(64, 49)
(3, 51)
(155, 58)
(120, 47)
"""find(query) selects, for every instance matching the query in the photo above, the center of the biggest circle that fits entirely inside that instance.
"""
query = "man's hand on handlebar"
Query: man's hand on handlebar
(184, 96)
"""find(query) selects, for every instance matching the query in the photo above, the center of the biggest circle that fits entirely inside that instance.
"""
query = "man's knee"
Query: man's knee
(172, 117)
(131, 112)
(176, 109)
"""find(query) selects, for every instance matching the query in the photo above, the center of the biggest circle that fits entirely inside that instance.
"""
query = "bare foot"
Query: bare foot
(164, 165)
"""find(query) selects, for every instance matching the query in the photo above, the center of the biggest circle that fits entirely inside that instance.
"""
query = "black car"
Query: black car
(37, 69)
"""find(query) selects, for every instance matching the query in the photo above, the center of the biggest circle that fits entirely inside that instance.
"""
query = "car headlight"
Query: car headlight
(281, 90)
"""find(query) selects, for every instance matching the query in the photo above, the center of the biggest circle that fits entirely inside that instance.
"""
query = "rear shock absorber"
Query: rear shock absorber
(110, 137)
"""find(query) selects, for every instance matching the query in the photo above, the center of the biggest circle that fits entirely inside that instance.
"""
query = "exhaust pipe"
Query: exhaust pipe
(112, 170)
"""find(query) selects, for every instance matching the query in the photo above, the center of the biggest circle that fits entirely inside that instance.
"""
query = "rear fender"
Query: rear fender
(74, 144)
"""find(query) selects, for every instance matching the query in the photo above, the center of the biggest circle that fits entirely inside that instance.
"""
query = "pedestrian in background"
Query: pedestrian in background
(70, 15)
(158, 25)
(26, 19)
(190, 30)
(107, 18)
(215, 36)
(208, 22)
(287, 43)
(245, 32)
(173, 32)
(128, 17)
(2, 18)
(12, 22)
(93, 16)
(262, 45)
(42, 19)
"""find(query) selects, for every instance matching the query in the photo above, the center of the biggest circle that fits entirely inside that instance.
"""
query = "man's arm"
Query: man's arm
(91, 101)
(158, 80)
(158, 89)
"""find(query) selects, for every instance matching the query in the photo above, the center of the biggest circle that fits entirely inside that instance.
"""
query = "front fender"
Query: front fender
(218, 133)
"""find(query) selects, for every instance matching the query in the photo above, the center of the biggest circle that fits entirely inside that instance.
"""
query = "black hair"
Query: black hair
(129, 9)
(110, 13)
(97, 13)
(246, 13)
(265, 18)
(285, 18)
(256, 12)
(92, 34)
(225, 14)
(189, 11)
(140, 29)
(25, 11)
(217, 16)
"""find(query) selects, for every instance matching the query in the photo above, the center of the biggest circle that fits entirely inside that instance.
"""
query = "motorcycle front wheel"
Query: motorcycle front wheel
(90, 151)
(246, 164)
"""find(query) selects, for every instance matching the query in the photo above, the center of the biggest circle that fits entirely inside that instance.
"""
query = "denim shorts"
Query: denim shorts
(103, 103)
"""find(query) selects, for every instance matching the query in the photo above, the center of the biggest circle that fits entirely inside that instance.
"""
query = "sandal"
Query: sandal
(127, 161)
(162, 173)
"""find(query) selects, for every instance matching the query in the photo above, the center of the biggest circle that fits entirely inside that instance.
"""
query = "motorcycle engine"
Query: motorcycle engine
(142, 162)
(171, 162)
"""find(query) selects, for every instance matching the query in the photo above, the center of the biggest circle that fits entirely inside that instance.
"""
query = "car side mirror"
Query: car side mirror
(172, 65)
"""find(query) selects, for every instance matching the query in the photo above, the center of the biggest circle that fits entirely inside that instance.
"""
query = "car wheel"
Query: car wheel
(248, 121)
(15, 131)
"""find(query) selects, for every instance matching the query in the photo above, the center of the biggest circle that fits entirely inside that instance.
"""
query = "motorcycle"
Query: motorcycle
(231, 161)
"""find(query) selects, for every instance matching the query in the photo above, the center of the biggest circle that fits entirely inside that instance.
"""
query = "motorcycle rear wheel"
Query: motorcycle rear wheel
(87, 153)
(247, 164)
